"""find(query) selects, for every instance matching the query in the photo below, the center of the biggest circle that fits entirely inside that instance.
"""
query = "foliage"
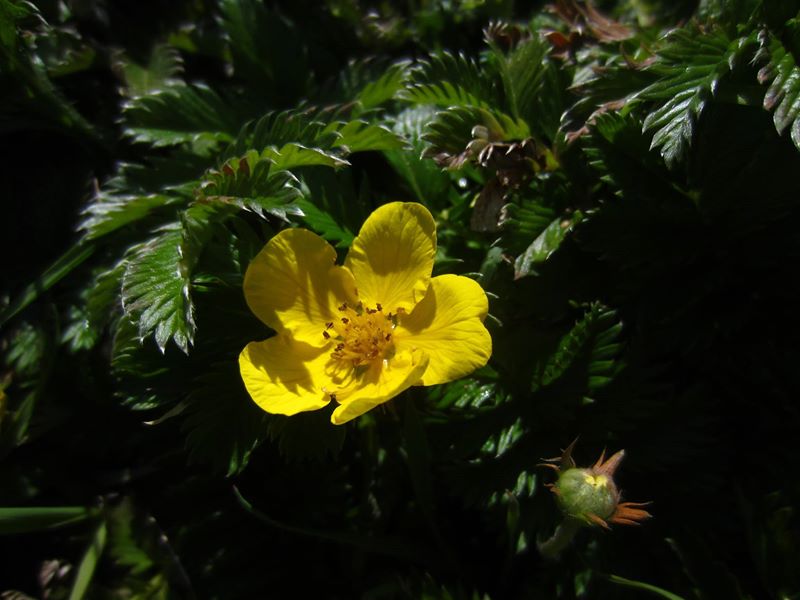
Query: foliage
(621, 180)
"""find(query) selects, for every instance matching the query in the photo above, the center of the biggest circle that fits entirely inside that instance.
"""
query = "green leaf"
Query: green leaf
(267, 51)
(15, 520)
(156, 285)
(29, 97)
(252, 183)
(591, 346)
(453, 130)
(123, 529)
(783, 76)
(88, 564)
(426, 180)
(276, 129)
(544, 245)
(522, 72)
(110, 212)
(385, 87)
(291, 156)
(620, 152)
(62, 267)
(324, 224)
(179, 115)
(524, 221)
(222, 424)
(156, 289)
(10, 13)
(450, 80)
(360, 136)
(163, 69)
(691, 67)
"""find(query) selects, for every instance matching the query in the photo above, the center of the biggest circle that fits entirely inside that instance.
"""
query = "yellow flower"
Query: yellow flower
(360, 333)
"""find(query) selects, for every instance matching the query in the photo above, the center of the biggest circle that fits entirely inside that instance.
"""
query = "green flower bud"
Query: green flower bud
(587, 496)
(583, 495)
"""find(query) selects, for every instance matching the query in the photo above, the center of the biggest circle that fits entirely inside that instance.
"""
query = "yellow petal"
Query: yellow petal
(294, 285)
(448, 326)
(381, 382)
(284, 376)
(392, 256)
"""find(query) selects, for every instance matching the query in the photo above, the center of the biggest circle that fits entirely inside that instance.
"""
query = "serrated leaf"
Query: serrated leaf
(291, 156)
(783, 76)
(179, 115)
(522, 72)
(252, 183)
(385, 87)
(324, 224)
(172, 174)
(222, 424)
(108, 212)
(360, 136)
(448, 80)
(156, 289)
(163, 69)
(691, 66)
(544, 245)
(674, 124)
(77, 333)
(29, 96)
(620, 152)
(592, 341)
(276, 129)
(425, 179)
(452, 131)
(524, 221)
(267, 50)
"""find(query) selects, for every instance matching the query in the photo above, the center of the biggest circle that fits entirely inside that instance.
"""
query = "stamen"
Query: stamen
(363, 334)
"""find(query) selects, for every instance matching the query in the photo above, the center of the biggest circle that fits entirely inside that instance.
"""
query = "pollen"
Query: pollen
(363, 334)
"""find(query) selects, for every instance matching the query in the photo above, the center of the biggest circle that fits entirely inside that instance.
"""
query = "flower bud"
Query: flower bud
(584, 495)
(589, 495)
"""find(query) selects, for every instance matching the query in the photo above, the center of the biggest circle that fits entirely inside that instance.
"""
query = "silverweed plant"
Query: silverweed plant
(296, 294)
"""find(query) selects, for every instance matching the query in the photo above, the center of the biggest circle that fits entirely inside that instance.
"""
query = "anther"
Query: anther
(378, 306)
(326, 335)
(345, 320)
(343, 307)
(328, 325)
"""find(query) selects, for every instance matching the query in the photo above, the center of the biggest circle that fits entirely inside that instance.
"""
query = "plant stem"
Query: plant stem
(563, 535)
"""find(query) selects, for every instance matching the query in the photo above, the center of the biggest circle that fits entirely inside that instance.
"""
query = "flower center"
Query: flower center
(362, 334)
